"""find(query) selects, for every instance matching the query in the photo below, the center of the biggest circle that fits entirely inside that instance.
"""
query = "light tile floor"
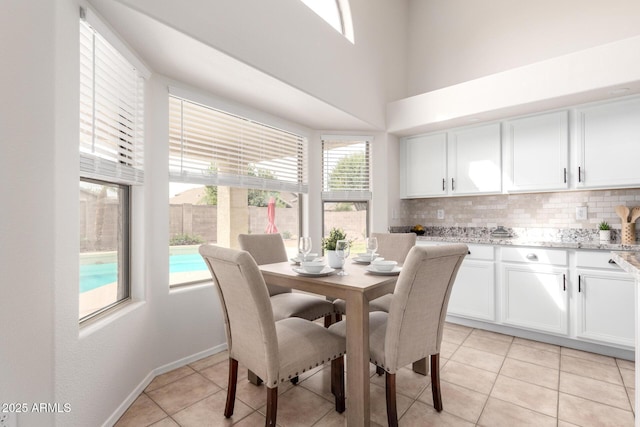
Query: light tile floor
(487, 379)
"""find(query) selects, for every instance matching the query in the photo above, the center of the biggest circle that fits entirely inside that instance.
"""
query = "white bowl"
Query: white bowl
(384, 265)
(308, 257)
(366, 255)
(312, 266)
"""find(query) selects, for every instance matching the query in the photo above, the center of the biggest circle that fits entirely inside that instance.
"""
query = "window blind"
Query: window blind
(111, 112)
(346, 168)
(212, 147)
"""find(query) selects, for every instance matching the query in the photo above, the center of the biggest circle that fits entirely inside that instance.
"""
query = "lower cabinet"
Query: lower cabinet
(473, 293)
(605, 301)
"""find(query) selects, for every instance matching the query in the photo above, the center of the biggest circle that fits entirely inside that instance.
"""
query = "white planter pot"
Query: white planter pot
(333, 260)
(605, 235)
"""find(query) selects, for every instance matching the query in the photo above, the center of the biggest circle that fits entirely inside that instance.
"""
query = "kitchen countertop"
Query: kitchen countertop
(516, 241)
(629, 262)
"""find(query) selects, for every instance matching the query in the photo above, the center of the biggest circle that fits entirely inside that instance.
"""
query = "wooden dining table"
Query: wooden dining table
(357, 288)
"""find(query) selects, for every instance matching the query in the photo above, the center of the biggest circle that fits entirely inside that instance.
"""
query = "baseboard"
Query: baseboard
(122, 408)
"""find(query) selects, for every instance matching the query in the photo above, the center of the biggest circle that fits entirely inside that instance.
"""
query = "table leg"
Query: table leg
(358, 413)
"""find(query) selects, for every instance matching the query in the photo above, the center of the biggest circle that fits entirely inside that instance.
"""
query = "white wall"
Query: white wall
(453, 41)
(286, 40)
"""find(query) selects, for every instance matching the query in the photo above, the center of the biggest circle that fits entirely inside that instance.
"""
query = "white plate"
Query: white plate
(297, 260)
(396, 270)
(362, 260)
(325, 271)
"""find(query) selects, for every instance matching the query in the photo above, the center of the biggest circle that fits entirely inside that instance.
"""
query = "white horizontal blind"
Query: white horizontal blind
(208, 146)
(345, 168)
(111, 112)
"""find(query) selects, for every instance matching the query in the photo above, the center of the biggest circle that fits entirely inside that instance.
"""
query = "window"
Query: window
(336, 13)
(111, 161)
(345, 184)
(225, 171)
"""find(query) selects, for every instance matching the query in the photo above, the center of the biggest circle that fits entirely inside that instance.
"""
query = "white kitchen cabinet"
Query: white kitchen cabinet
(473, 294)
(423, 166)
(609, 145)
(462, 162)
(536, 152)
(534, 289)
(605, 299)
(474, 160)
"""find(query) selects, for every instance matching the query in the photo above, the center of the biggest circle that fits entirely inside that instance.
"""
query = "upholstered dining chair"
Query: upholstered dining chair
(412, 330)
(267, 249)
(275, 350)
(391, 246)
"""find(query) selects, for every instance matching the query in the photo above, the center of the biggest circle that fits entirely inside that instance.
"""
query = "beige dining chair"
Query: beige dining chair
(412, 330)
(391, 246)
(275, 350)
(267, 249)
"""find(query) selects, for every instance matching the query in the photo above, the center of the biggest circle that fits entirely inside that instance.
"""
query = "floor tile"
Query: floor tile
(531, 373)
(408, 383)
(169, 377)
(256, 419)
(456, 400)
(490, 345)
(210, 412)
(256, 396)
(632, 398)
(454, 336)
(536, 356)
(165, 422)
(492, 335)
(591, 369)
(143, 411)
(628, 377)
(584, 412)
(626, 364)
(320, 384)
(478, 358)
(183, 392)
(447, 349)
(537, 344)
(423, 415)
(498, 413)
(300, 407)
(596, 390)
(378, 404)
(606, 360)
(530, 396)
(219, 374)
(467, 376)
(214, 359)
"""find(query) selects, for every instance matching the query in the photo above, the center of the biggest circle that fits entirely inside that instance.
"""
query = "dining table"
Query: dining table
(357, 288)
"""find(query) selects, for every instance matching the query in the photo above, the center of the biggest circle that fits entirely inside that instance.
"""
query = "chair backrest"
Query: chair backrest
(265, 249)
(248, 317)
(420, 300)
(395, 246)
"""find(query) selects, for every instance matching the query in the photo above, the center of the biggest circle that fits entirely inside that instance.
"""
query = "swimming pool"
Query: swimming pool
(93, 276)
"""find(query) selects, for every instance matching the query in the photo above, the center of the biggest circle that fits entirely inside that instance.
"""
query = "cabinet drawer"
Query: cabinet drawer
(480, 252)
(535, 255)
(595, 259)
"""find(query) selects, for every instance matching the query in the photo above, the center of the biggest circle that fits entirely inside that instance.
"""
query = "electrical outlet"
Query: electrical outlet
(8, 419)
(440, 213)
(581, 212)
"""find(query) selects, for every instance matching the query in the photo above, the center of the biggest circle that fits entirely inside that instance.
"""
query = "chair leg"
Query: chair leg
(272, 407)
(380, 371)
(435, 381)
(253, 378)
(338, 317)
(420, 366)
(392, 410)
(328, 320)
(337, 382)
(231, 388)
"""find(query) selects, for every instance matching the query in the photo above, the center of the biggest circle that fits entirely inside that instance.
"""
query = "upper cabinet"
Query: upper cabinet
(464, 161)
(609, 145)
(536, 153)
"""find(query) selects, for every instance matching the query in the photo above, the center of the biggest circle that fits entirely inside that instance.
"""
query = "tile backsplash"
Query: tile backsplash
(531, 210)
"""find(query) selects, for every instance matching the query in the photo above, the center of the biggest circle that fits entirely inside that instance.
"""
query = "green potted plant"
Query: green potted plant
(604, 231)
(329, 246)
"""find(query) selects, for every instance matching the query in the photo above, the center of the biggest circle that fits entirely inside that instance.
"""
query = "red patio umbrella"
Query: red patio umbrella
(271, 217)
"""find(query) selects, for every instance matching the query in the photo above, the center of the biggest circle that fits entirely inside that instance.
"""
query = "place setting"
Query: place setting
(304, 252)
(308, 263)
(383, 267)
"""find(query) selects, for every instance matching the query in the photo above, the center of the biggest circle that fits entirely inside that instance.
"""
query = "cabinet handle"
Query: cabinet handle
(565, 175)
(443, 183)
(564, 282)
(611, 261)
(579, 283)
(579, 175)
(532, 257)
(453, 185)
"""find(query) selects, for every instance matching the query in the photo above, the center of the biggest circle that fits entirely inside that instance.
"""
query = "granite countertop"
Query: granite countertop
(629, 262)
(540, 237)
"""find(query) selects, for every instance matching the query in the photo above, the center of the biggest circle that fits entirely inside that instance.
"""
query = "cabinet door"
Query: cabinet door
(424, 165)
(474, 160)
(473, 291)
(606, 310)
(609, 143)
(536, 152)
(535, 297)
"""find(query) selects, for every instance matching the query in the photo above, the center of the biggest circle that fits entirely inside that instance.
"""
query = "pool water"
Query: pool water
(93, 276)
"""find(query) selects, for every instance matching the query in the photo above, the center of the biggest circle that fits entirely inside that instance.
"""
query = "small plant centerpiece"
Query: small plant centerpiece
(329, 246)
(605, 231)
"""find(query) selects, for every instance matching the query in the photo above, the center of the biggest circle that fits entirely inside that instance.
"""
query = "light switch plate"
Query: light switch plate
(581, 212)
(440, 213)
